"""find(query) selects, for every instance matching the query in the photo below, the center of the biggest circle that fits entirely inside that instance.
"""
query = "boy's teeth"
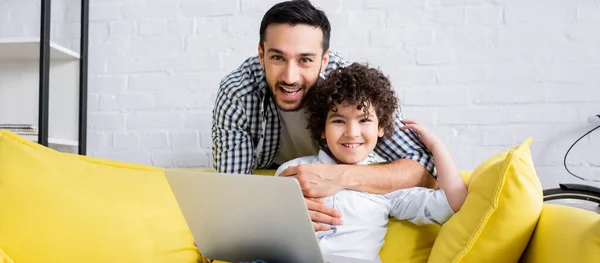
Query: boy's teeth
(354, 145)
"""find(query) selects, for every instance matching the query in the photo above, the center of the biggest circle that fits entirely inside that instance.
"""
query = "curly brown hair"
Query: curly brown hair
(356, 84)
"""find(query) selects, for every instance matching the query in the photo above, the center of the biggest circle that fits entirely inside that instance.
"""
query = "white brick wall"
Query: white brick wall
(484, 74)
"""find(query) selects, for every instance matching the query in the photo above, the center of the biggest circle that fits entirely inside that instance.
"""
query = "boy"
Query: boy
(348, 113)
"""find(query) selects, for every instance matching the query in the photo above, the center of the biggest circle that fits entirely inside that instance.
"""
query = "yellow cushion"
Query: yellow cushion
(5, 258)
(564, 234)
(499, 215)
(58, 207)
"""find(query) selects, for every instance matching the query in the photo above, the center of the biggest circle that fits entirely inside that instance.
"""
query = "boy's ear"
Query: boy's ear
(381, 132)
(323, 135)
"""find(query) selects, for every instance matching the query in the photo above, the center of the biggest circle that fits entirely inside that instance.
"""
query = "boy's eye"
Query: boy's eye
(337, 121)
(365, 120)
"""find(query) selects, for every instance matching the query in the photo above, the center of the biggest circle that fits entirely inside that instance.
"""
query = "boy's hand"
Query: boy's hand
(426, 136)
(322, 216)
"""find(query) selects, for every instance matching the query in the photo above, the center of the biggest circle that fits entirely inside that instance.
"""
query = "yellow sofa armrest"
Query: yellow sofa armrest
(564, 234)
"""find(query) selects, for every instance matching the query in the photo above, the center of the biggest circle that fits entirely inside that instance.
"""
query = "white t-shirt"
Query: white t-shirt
(295, 140)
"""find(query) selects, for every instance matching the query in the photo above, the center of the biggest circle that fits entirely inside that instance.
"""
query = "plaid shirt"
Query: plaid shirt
(246, 126)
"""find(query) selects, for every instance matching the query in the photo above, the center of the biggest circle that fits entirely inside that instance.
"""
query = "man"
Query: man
(259, 122)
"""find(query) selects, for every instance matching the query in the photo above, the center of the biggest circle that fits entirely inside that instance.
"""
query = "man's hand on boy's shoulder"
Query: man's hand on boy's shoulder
(317, 180)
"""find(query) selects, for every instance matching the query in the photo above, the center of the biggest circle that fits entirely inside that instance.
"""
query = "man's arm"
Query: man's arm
(232, 145)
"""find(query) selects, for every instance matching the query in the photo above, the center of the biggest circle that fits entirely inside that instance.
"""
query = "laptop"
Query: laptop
(240, 218)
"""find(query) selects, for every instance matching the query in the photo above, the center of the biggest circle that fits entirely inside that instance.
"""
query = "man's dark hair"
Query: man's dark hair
(296, 12)
(356, 84)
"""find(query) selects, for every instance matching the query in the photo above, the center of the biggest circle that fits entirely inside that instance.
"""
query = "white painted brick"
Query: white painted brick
(510, 94)
(412, 77)
(588, 12)
(204, 44)
(99, 31)
(366, 19)
(142, 9)
(150, 82)
(512, 73)
(210, 26)
(242, 24)
(93, 103)
(484, 16)
(99, 84)
(134, 156)
(198, 121)
(587, 110)
(581, 33)
(128, 102)
(339, 21)
(472, 115)
(154, 121)
(206, 139)
(379, 4)
(209, 8)
(97, 141)
(383, 57)
(184, 100)
(530, 13)
(436, 96)
(151, 45)
(122, 29)
(541, 113)
(231, 61)
(140, 65)
(104, 12)
(125, 141)
(395, 37)
(198, 62)
(438, 55)
(180, 26)
(111, 122)
(116, 48)
(150, 27)
(350, 5)
(360, 40)
(573, 93)
(459, 2)
(197, 159)
(162, 159)
(257, 6)
(184, 141)
(498, 136)
(153, 140)
(586, 74)
(426, 115)
(444, 15)
(327, 6)
(461, 75)
(404, 17)
(595, 139)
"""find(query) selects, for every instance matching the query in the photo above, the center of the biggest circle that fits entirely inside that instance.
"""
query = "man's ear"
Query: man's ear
(325, 60)
(261, 55)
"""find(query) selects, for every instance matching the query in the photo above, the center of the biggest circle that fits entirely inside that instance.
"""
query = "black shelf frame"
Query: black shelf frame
(44, 80)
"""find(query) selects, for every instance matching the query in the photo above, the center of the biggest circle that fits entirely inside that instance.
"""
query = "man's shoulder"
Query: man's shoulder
(243, 80)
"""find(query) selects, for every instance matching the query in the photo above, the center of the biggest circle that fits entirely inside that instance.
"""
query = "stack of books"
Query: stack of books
(20, 129)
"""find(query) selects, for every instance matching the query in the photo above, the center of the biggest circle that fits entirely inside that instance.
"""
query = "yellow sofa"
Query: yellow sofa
(58, 207)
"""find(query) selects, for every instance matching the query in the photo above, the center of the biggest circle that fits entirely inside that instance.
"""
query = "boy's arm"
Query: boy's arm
(449, 179)
(420, 206)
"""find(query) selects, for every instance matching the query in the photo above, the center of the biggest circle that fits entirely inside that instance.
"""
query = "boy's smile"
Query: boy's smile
(351, 135)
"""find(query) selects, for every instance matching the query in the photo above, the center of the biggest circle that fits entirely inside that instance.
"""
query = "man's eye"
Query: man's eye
(276, 57)
(305, 60)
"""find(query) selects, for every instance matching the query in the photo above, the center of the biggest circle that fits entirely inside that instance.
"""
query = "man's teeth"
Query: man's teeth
(351, 145)
(289, 90)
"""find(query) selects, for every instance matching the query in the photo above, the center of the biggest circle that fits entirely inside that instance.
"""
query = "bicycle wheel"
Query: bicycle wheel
(587, 200)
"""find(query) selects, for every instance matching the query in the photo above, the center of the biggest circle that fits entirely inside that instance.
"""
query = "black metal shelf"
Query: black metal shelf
(44, 68)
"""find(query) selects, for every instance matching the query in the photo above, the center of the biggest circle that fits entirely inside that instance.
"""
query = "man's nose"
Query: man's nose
(291, 74)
